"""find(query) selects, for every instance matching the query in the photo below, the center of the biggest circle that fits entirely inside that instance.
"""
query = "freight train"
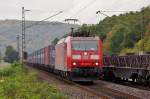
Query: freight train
(81, 59)
(74, 58)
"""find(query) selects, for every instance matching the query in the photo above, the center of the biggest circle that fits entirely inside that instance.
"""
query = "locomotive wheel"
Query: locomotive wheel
(134, 77)
(68, 76)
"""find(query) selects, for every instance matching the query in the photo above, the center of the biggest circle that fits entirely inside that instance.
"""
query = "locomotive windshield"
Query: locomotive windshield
(85, 45)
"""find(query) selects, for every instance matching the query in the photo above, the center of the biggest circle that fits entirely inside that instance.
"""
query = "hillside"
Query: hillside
(122, 34)
(37, 37)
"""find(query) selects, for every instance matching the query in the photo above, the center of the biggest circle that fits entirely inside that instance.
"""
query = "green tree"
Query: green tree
(10, 54)
(55, 41)
(123, 32)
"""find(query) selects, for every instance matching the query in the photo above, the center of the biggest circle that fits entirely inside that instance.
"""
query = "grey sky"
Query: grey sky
(11, 9)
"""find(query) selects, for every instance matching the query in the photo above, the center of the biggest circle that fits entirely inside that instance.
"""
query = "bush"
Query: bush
(16, 67)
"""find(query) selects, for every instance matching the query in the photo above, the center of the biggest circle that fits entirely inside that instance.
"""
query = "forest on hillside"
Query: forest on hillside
(123, 33)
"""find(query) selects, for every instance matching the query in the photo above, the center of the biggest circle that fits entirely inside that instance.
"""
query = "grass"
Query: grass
(18, 83)
(4, 65)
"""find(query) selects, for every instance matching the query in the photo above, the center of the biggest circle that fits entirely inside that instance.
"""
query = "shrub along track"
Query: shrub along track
(76, 91)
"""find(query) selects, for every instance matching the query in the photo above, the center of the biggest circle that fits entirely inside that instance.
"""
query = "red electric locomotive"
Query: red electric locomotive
(79, 58)
(75, 58)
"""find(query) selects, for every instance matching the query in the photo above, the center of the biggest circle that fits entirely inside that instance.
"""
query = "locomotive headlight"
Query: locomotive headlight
(85, 53)
(74, 63)
(94, 56)
(76, 56)
(96, 63)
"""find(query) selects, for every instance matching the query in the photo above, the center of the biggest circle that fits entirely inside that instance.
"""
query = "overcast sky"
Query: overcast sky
(84, 10)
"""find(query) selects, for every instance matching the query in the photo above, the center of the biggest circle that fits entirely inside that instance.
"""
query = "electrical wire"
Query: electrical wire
(79, 11)
(44, 20)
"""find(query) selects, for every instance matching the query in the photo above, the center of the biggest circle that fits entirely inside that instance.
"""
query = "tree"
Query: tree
(10, 54)
(55, 41)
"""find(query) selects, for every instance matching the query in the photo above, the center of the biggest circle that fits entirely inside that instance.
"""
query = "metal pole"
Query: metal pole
(22, 33)
(24, 40)
(18, 48)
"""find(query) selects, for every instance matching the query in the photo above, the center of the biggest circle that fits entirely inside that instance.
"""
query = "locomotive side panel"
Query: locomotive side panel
(60, 57)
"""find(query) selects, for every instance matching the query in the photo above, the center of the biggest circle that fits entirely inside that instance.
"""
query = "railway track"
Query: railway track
(114, 93)
(71, 89)
(126, 87)
(130, 84)
(77, 91)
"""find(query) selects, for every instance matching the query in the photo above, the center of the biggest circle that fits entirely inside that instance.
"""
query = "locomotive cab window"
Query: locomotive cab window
(85, 45)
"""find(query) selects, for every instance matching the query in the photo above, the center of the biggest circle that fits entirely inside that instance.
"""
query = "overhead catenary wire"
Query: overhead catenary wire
(116, 11)
(113, 11)
(83, 8)
(102, 12)
(37, 23)
(43, 20)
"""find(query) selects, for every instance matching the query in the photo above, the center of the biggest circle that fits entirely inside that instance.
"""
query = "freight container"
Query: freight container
(42, 56)
(46, 56)
(52, 55)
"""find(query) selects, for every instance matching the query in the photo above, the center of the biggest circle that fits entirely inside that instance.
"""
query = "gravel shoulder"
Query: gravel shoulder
(74, 92)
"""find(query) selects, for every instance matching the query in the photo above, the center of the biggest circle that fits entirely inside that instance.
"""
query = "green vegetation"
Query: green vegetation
(55, 41)
(10, 55)
(122, 34)
(19, 83)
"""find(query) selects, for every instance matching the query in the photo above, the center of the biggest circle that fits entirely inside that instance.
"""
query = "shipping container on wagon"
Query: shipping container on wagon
(60, 56)
(38, 56)
(51, 55)
(42, 56)
(46, 56)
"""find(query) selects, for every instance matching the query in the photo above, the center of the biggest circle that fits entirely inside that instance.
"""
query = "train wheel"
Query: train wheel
(61, 74)
(109, 75)
(65, 74)
(134, 77)
(140, 80)
(68, 75)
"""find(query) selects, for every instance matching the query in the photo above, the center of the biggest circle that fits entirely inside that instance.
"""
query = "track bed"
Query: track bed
(72, 90)
(99, 90)
(120, 91)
